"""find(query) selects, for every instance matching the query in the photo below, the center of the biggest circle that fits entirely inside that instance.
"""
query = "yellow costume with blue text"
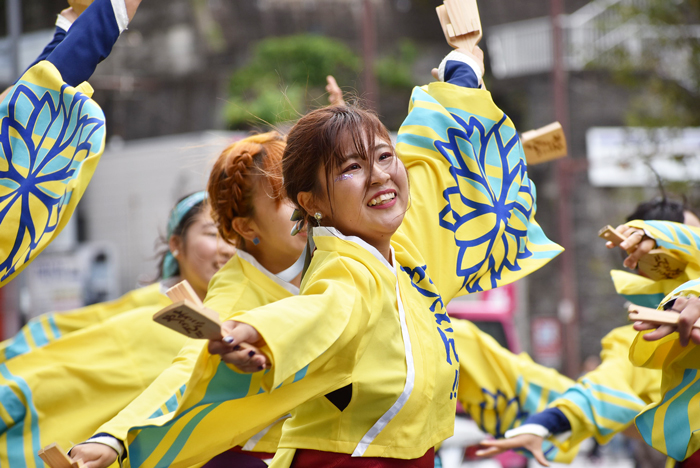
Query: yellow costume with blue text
(47, 328)
(672, 425)
(52, 137)
(376, 331)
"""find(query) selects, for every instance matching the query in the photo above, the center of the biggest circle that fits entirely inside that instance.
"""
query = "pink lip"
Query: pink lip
(385, 205)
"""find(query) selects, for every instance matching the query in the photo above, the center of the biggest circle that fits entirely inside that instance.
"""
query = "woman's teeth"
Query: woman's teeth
(381, 199)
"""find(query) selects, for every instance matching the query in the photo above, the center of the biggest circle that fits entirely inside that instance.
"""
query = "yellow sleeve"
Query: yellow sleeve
(161, 397)
(606, 400)
(681, 239)
(500, 389)
(52, 138)
(47, 328)
(472, 208)
(333, 299)
(643, 291)
(672, 425)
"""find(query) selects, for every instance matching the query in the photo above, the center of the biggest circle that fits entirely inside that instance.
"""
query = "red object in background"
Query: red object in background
(493, 312)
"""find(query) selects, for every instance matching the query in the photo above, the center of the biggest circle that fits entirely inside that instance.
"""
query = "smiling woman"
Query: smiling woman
(364, 358)
(359, 188)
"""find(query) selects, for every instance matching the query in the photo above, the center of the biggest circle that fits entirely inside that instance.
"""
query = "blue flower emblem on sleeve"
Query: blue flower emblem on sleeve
(492, 202)
(46, 135)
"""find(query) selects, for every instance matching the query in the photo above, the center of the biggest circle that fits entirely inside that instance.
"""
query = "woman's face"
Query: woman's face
(202, 252)
(372, 214)
(272, 225)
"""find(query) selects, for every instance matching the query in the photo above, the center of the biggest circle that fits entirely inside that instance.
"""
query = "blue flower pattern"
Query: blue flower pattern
(507, 192)
(45, 135)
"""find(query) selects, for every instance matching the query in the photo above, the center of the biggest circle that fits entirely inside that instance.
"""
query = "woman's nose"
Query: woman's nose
(379, 176)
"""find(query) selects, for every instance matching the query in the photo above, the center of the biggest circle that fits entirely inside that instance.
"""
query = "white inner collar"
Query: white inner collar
(285, 284)
(321, 231)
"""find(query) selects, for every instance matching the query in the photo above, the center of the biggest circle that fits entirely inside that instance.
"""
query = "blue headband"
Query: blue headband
(170, 265)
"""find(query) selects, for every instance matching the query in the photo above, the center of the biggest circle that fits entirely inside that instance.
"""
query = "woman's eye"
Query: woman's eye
(386, 156)
(351, 167)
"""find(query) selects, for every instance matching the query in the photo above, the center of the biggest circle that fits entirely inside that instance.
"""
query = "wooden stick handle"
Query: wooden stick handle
(663, 317)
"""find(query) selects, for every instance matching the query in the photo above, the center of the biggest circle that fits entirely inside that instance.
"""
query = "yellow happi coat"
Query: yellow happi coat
(374, 330)
(672, 425)
(47, 328)
(62, 391)
(241, 284)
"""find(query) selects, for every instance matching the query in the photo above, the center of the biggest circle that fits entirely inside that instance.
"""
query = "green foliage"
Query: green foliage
(286, 76)
(395, 71)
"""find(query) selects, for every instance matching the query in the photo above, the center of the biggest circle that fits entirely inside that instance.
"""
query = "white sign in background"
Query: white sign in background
(621, 156)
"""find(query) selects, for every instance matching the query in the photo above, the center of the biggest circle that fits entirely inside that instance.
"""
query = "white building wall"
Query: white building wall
(135, 186)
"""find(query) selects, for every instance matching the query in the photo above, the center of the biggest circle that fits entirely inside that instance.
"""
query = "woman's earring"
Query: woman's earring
(318, 217)
(256, 241)
(176, 253)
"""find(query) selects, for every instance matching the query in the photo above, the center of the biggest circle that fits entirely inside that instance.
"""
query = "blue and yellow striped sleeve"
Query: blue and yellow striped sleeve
(606, 400)
(681, 239)
(499, 389)
(672, 425)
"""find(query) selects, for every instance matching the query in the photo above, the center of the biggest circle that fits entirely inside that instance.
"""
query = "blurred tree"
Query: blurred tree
(395, 71)
(660, 61)
(286, 76)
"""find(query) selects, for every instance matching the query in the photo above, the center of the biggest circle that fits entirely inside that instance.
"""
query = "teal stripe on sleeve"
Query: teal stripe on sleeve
(15, 435)
(36, 328)
(676, 422)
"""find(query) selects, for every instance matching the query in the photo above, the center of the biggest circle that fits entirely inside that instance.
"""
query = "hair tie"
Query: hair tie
(170, 265)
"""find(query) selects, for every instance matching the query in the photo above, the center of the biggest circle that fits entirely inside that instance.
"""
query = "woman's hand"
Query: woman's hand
(94, 455)
(530, 442)
(335, 94)
(636, 245)
(476, 54)
(689, 308)
(240, 347)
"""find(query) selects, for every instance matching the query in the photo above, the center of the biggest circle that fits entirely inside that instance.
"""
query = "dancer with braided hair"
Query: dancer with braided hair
(251, 212)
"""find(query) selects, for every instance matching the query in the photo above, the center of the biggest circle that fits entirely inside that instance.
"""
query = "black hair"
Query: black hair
(660, 209)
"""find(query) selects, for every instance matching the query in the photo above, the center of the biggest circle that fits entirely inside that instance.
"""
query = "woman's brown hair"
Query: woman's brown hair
(234, 175)
(323, 138)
